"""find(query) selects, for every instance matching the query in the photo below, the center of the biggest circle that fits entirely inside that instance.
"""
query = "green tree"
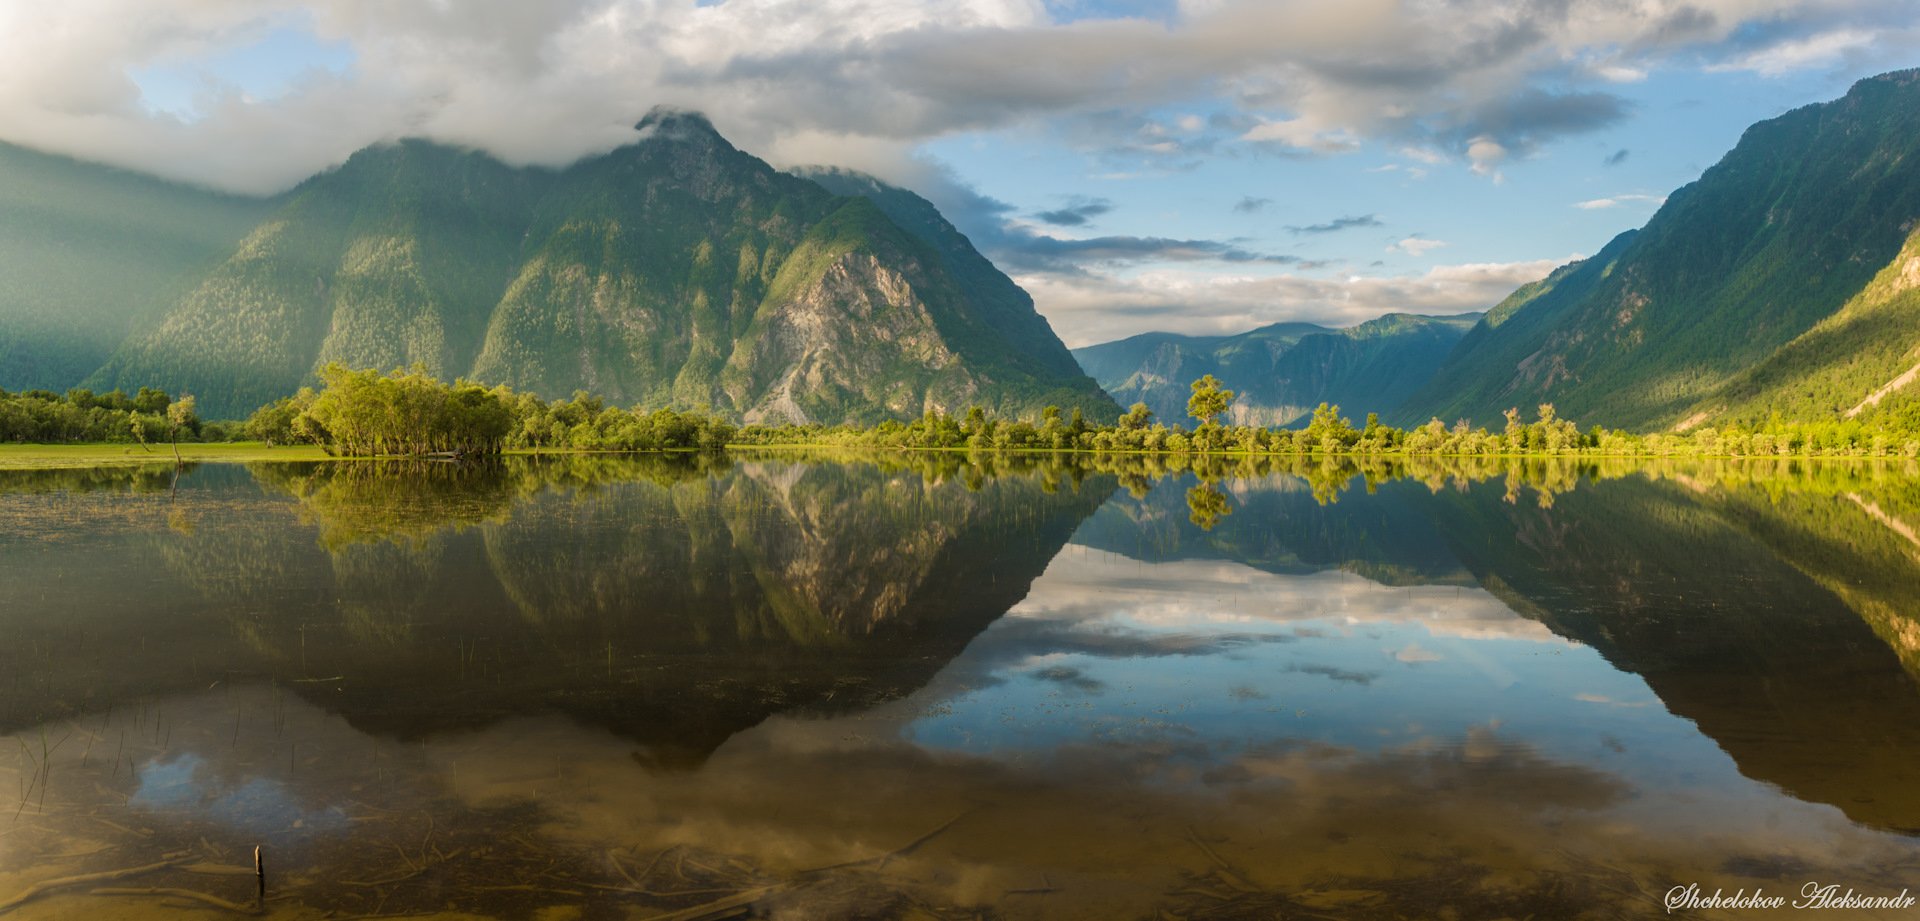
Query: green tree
(1136, 419)
(1329, 430)
(180, 414)
(139, 427)
(1209, 400)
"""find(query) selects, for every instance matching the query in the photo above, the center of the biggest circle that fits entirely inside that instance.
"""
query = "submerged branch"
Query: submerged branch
(67, 882)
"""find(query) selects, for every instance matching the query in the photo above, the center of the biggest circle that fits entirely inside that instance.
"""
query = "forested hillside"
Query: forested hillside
(1859, 363)
(1690, 318)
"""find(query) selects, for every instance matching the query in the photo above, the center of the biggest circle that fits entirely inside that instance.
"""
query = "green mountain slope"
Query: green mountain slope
(396, 258)
(1280, 372)
(88, 252)
(675, 271)
(1859, 363)
(1661, 326)
(1509, 336)
(642, 266)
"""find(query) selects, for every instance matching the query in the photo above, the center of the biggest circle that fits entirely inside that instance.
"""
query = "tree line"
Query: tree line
(150, 417)
(364, 412)
(1328, 432)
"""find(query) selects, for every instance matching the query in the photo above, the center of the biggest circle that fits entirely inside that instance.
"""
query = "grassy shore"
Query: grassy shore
(17, 456)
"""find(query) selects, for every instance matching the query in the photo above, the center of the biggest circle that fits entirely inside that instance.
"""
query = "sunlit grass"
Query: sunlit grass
(17, 456)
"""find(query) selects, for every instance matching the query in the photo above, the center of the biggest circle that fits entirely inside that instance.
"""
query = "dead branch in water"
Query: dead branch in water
(67, 882)
(720, 907)
(902, 851)
(188, 894)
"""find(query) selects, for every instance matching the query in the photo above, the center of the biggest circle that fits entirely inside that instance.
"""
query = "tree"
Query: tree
(139, 427)
(151, 402)
(1328, 429)
(1209, 400)
(1137, 418)
(179, 415)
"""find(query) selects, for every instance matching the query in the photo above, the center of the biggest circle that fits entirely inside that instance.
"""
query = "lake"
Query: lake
(946, 687)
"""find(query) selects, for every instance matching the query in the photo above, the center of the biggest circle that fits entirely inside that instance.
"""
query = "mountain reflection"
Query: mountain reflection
(1099, 687)
(1776, 605)
(675, 600)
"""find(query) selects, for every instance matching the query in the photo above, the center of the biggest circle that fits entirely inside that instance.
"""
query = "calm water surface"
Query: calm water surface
(941, 688)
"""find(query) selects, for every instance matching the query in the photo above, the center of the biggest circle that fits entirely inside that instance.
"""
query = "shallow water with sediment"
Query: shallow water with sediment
(953, 687)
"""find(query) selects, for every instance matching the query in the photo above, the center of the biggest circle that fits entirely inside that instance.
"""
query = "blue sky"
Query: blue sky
(1355, 211)
(1190, 165)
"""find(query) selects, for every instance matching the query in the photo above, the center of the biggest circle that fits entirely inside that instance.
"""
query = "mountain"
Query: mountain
(395, 258)
(88, 253)
(1780, 281)
(676, 270)
(1280, 372)
(993, 296)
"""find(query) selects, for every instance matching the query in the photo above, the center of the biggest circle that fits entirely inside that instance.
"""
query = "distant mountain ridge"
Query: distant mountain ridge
(1783, 281)
(1280, 372)
(676, 270)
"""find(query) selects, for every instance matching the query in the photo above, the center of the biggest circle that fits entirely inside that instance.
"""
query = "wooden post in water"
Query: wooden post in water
(260, 877)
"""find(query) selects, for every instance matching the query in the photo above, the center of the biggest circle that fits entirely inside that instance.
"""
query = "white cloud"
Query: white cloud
(551, 81)
(1800, 54)
(1486, 155)
(1615, 201)
(1303, 134)
(1099, 308)
(1096, 587)
(1592, 698)
(1416, 246)
(1616, 73)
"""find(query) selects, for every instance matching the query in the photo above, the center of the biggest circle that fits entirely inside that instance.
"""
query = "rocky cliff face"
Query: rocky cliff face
(674, 271)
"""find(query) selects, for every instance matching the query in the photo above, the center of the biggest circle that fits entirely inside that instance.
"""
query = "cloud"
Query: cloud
(1616, 158)
(1020, 248)
(1486, 155)
(1094, 599)
(1521, 120)
(1076, 213)
(1416, 246)
(1100, 307)
(1305, 135)
(1800, 53)
(1070, 677)
(1338, 224)
(1336, 674)
(1592, 698)
(1251, 205)
(1039, 252)
(1596, 204)
(550, 82)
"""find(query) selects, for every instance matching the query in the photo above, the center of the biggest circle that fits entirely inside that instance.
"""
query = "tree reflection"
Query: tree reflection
(1206, 506)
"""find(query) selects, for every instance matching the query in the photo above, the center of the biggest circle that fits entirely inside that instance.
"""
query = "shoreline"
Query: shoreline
(115, 454)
